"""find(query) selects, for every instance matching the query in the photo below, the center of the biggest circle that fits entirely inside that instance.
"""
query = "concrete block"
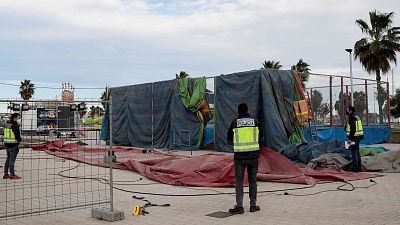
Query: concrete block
(107, 158)
(107, 215)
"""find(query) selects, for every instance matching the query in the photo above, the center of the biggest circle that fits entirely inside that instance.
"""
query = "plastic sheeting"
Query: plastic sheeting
(269, 95)
(372, 135)
(209, 170)
(155, 111)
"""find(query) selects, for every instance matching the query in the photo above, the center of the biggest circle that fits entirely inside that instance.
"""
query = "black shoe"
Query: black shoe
(236, 210)
(254, 208)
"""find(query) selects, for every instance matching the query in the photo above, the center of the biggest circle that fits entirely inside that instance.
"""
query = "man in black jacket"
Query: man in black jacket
(245, 135)
(12, 138)
(355, 134)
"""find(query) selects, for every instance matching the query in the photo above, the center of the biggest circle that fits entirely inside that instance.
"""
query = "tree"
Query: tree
(271, 64)
(324, 110)
(27, 89)
(316, 100)
(302, 68)
(341, 109)
(104, 97)
(359, 103)
(395, 104)
(96, 111)
(84, 111)
(378, 49)
(181, 74)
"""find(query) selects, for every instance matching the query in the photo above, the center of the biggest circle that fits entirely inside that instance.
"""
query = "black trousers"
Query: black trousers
(252, 168)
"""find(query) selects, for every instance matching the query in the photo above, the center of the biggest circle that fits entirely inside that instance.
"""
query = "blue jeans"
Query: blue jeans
(252, 168)
(355, 154)
(12, 153)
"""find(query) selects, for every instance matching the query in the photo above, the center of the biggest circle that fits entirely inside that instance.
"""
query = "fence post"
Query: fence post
(341, 100)
(388, 103)
(366, 101)
(109, 214)
(111, 155)
(330, 100)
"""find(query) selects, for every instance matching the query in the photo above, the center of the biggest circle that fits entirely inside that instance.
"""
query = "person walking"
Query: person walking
(245, 135)
(12, 138)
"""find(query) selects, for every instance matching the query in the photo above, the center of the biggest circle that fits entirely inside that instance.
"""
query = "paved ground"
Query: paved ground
(379, 204)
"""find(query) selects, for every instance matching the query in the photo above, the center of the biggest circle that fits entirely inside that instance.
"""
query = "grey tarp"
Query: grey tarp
(388, 162)
(269, 94)
(308, 151)
(132, 121)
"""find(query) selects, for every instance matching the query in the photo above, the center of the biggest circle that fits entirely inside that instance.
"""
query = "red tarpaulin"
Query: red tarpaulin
(208, 170)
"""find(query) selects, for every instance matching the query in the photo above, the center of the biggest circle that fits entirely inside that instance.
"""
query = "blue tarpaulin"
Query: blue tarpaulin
(208, 135)
(372, 135)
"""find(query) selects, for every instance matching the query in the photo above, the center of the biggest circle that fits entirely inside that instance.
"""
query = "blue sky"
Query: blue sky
(93, 43)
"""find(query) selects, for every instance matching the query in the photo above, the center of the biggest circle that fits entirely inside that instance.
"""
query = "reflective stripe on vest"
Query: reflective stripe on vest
(245, 139)
(359, 128)
(9, 136)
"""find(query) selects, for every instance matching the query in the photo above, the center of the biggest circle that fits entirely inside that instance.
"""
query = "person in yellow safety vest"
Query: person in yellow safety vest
(245, 135)
(12, 138)
(355, 134)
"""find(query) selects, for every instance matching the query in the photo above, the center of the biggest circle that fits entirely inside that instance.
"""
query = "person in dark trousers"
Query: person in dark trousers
(355, 134)
(245, 135)
(12, 138)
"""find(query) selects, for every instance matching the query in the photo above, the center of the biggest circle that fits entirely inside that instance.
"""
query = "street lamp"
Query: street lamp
(349, 50)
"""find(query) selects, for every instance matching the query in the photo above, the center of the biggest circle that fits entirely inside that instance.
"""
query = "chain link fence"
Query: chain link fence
(51, 181)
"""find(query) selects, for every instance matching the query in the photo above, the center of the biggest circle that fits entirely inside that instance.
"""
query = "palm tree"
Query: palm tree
(104, 97)
(271, 64)
(83, 108)
(27, 89)
(96, 111)
(378, 48)
(302, 68)
(181, 74)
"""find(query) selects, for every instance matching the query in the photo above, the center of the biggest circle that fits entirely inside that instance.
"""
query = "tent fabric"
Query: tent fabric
(372, 151)
(372, 135)
(209, 170)
(388, 162)
(269, 99)
(192, 101)
(208, 137)
(305, 152)
(105, 125)
(171, 126)
(330, 160)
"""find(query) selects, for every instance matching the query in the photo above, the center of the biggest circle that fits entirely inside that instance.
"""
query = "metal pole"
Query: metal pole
(388, 103)
(111, 158)
(351, 80)
(366, 101)
(152, 117)
(392, 83)
(347, 96)
(330, 100)
(311, 103)
(341, 100)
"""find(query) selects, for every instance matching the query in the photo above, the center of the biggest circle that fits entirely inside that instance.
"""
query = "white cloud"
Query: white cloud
(125, 41)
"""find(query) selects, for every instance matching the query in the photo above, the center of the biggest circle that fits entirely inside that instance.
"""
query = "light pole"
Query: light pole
(349, 50)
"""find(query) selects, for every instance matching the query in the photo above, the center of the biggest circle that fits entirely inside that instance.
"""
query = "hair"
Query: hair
(14, 115)
(351, 108)
(243, 109)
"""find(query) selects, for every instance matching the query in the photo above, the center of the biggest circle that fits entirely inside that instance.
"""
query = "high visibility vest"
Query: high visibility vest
(9, 136)
(245, 136)
(359, 128)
